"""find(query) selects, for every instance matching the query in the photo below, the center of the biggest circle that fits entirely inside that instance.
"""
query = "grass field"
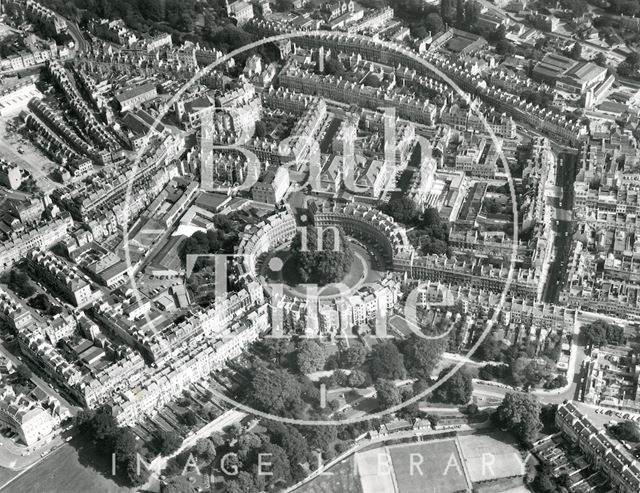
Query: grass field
(428, 467)
(65, 472)
(6, 475)
(489, 457)
(340, 478)
(375, 471)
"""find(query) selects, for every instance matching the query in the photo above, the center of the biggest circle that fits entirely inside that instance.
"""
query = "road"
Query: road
(78, 38)
(40, 383)
(563, 227)
(570, 392)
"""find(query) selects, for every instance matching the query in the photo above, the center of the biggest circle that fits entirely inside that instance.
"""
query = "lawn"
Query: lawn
(65, 471)
(433, 463)
(6, 475)
(490, 457)
(340, 478)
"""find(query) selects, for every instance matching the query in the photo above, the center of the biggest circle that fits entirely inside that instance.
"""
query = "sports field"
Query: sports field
(339, 479)
(375, 471)
(428, 467)
(490, 457)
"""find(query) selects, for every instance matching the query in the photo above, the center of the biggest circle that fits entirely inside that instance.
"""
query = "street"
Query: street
(40, 383)
(563, 227)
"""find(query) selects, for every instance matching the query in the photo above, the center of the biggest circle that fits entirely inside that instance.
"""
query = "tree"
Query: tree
(357, 378)
(527, 372)
(261, 129)
(633, 59)
(353, 356)
(276, 463)
(274, 391)
(189, 418)
(419, 32)
(284, 5)
(600, 59)
(333, 66)
(19, 283)
(433, 23)
(421, 355)
(491, 349)
(472, 409)
(40, 302)
(168, 442)
(504, 47)
(520, 413)
(543, 481)
(548, 416)
(24, 373)
(457, 389)
(247, 442)
(626, 430)
(276, 349)
(557, 382)
(125, 444)
(217, 439)
(448, 10)
(576, 51)
(387, 394)
(205, 449)
(386, 362)
(402, 210)
(600, 333)
(320, 437)
(322, 260)
(244, 482)
(310, 356)
(289, 438)
(471, 13)
(177, 484)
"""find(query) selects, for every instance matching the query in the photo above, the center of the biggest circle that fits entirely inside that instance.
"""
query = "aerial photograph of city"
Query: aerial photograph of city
(319, 246)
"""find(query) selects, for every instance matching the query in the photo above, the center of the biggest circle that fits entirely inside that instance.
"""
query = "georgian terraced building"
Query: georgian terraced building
(606, 455)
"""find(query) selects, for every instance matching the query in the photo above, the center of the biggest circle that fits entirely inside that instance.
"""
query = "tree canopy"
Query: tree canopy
(520, 413)
(274, 391)
(600, 333)
(110, 439)
(457, 389)
(429, 231)
(353, 356)
(322, 260)
(386, 362)
(387, 394)
(626, 430)
(310, 356)
(421, 355)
